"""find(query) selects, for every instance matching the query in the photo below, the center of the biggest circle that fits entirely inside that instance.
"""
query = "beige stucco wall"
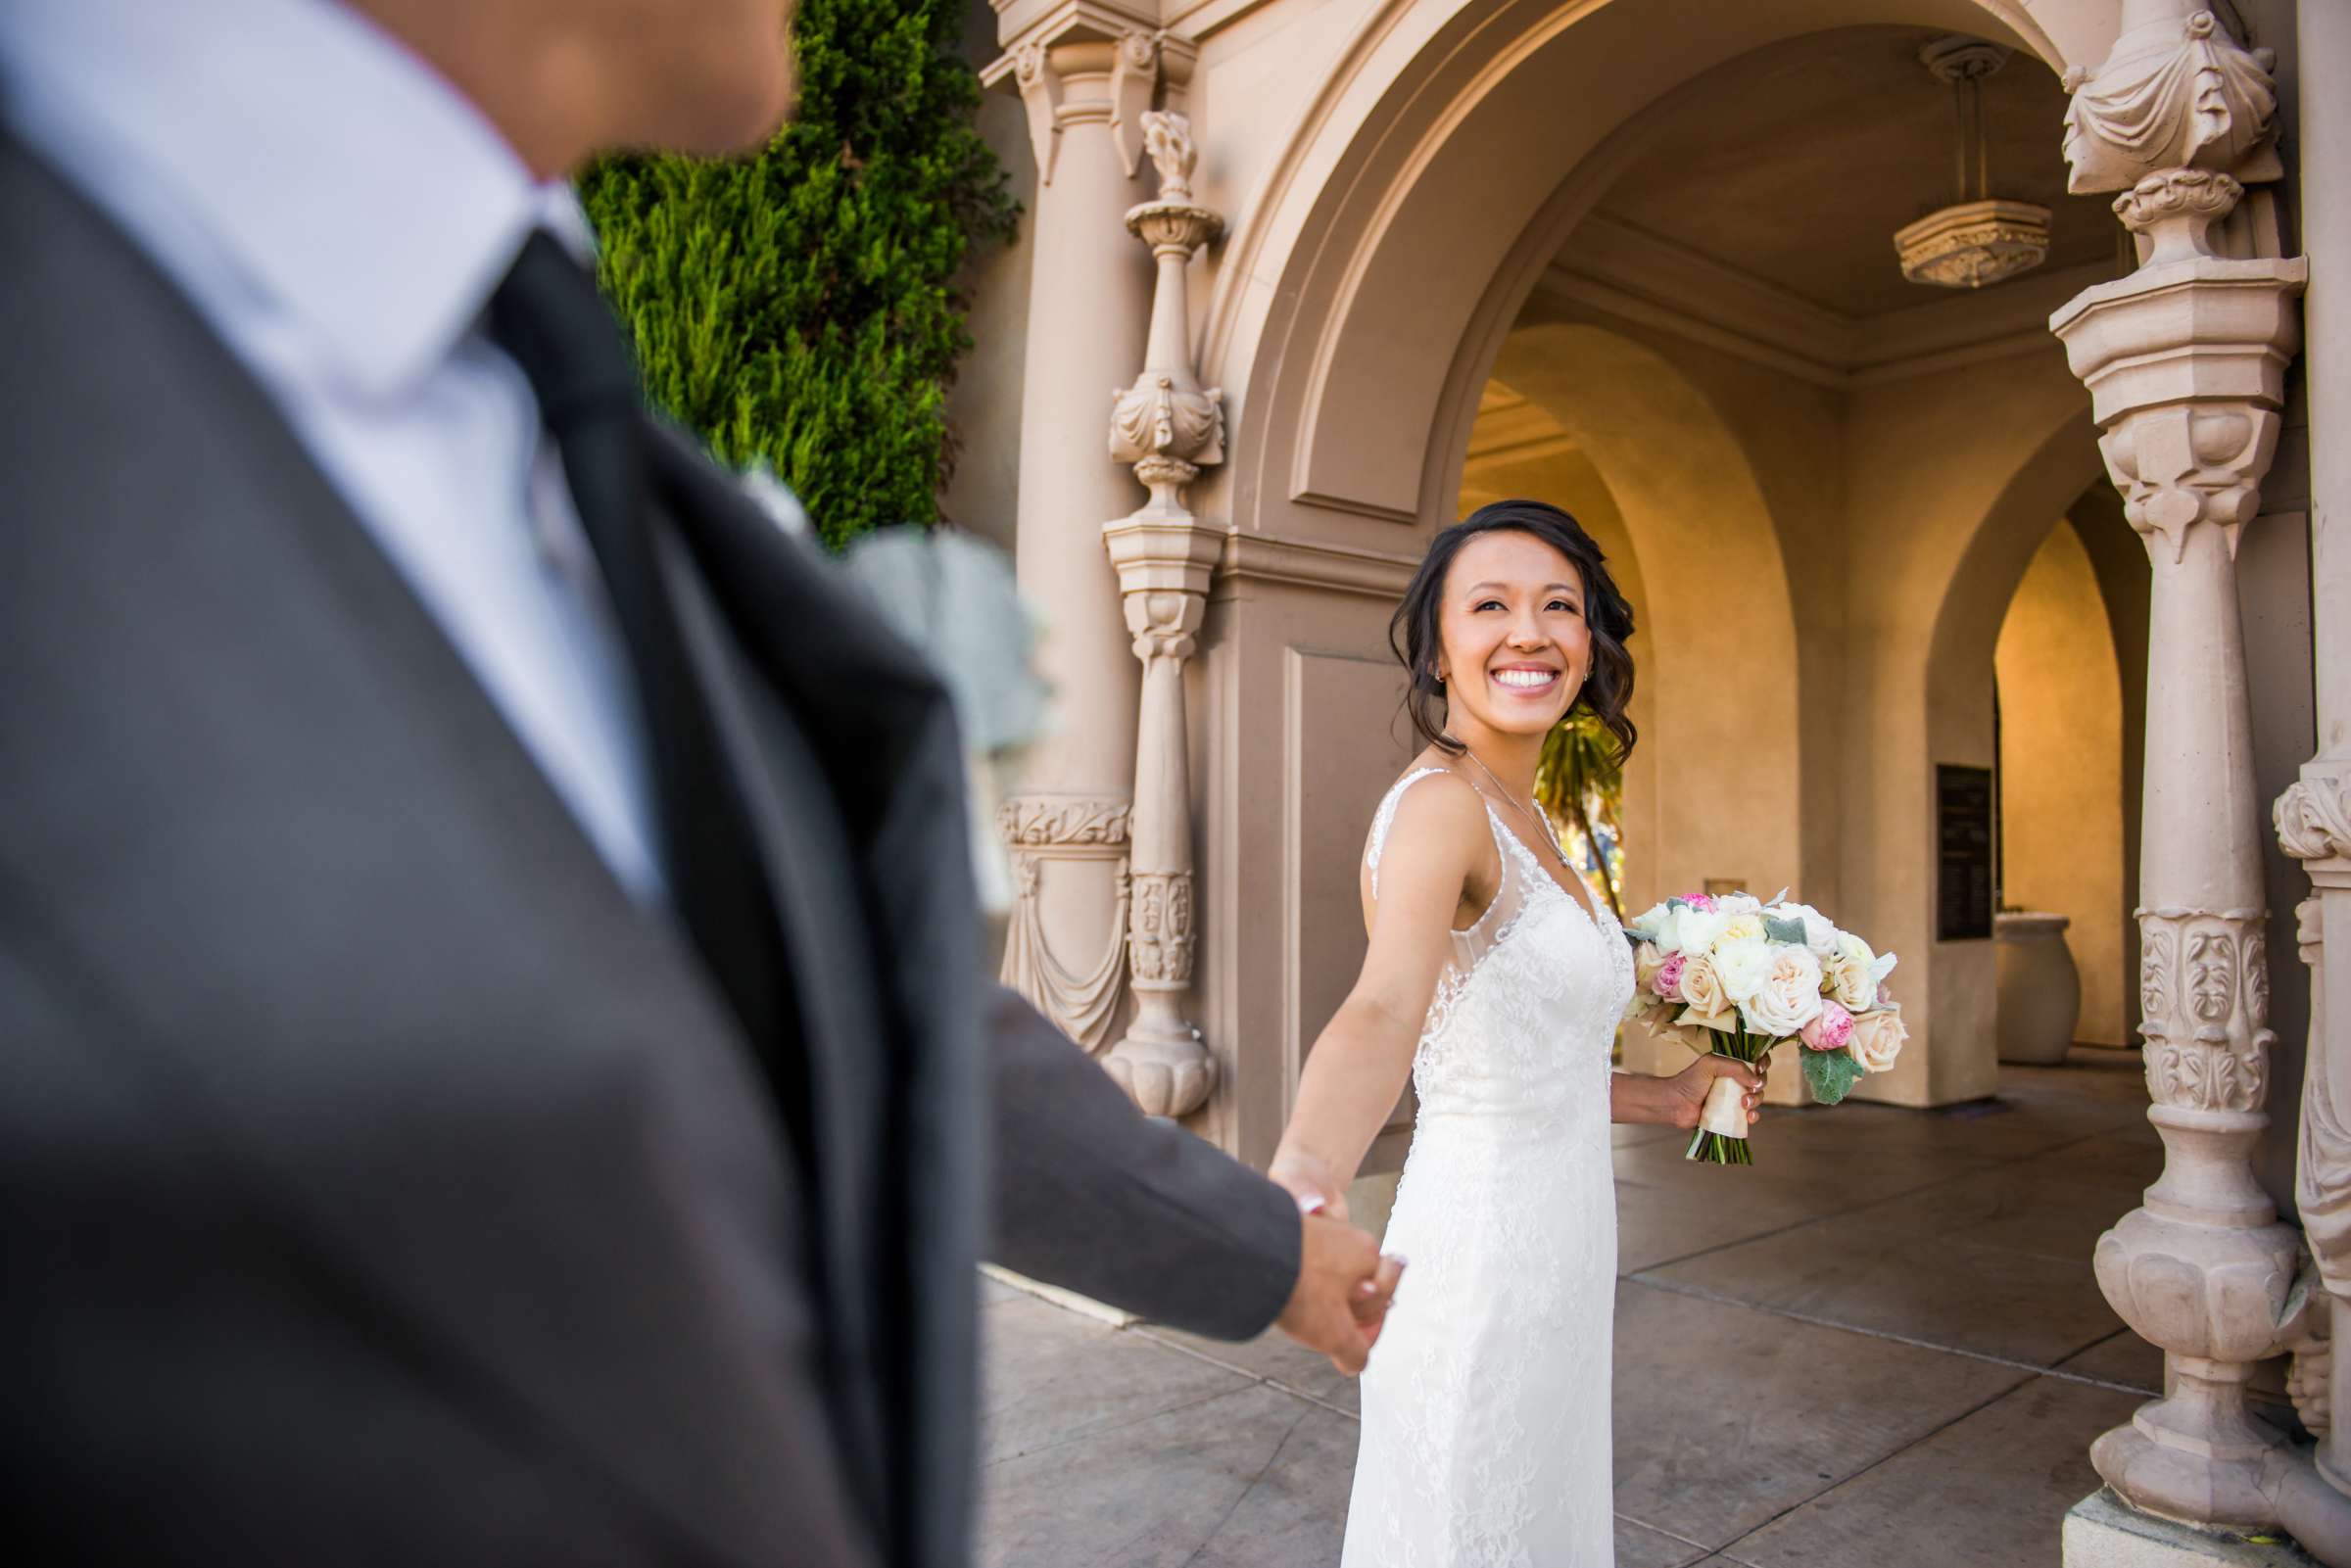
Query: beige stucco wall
(2061, 770)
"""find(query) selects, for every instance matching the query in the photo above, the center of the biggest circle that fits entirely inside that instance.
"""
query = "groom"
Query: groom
(495, 1069)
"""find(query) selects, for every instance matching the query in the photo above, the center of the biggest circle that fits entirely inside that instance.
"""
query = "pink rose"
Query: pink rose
(1700, 901)
(1667, 980)
(1833, 1030)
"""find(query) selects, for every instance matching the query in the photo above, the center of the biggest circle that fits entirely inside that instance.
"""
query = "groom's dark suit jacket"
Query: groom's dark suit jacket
(377, 1184)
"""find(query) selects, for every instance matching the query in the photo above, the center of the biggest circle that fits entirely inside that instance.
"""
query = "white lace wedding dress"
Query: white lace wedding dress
(1485, 1409)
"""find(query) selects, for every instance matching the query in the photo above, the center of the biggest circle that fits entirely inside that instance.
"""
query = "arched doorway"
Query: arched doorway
(1480, 198)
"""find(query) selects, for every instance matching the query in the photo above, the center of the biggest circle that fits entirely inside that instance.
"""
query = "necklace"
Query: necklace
(1535, 820)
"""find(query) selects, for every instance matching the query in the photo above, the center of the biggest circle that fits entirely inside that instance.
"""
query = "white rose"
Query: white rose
(1878, 1040)
(1745, 928)
(1738, 904)
(1741, 963)
(1820, 933)
(1697, 930)
(1789, 997)
(1649, 922)
(1851, 973)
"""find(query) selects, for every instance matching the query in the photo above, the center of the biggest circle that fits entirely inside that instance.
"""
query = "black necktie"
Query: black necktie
(549, 315)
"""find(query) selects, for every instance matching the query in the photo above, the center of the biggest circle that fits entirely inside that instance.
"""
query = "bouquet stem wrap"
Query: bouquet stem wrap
(1721, 1136)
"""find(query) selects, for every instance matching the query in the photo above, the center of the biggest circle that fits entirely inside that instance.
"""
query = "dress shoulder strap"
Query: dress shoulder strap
(1385, 818)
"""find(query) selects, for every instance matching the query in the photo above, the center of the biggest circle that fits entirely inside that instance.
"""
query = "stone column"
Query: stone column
(1168, 426)
(2186, 364)
(1086, 76)
(2314, 816)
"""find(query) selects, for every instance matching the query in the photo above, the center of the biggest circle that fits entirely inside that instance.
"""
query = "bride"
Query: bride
(1496, 982)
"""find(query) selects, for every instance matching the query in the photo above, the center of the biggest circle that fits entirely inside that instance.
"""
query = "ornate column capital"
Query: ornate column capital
(2313, 819)
(1089, 61)
(2186, 364)
(2175, 92)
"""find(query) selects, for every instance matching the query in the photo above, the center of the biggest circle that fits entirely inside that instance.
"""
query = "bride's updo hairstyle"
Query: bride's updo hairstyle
(1413, 632)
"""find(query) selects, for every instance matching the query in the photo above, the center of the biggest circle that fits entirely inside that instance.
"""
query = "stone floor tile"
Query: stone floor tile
(2121, 1357)
(1274, 1357)
(1989, 1491)
(1640, 1546)
(1051, 1377)
(1726, 1417)
(2009, 1207)
(1249, 1480)
(995, 1291)
(1660, 1224)
(2121, 1161)
(2017, 1305)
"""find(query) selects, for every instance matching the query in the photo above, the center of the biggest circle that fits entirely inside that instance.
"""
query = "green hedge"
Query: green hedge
(798, 307)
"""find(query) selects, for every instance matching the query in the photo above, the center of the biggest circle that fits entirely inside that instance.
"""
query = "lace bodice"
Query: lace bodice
(1539, 979)
(1486, 1405)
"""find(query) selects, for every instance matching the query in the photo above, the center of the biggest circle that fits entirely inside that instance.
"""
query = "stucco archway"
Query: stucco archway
(1406, 222)
(1721, 631)
(1358, 313)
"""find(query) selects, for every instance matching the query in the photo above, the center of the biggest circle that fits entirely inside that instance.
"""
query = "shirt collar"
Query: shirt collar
(341, 177)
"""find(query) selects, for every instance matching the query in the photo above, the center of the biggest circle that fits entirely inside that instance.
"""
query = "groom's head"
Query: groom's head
(566, 79)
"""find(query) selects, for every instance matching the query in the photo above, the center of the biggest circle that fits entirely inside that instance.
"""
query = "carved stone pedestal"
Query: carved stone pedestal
(2186, 364)
(1168, 426)
(2102, 1531)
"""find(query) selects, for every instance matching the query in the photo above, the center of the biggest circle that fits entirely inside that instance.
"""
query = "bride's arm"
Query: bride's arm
(1359, 1063)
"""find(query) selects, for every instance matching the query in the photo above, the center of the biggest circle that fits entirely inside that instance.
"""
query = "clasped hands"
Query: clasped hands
(1344, 1284)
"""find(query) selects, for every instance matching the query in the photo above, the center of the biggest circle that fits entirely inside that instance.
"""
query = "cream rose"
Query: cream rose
(1789, 997)
(1701, 987)
(1746, 927)
(1647, 961)
(1878, 1040)
(1851, 974)
(1741, 963)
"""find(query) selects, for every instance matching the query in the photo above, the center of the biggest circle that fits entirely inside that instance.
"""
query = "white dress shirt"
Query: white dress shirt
(340, 215)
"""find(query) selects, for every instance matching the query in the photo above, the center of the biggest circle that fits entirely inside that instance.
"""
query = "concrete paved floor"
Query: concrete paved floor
(1880, 1343)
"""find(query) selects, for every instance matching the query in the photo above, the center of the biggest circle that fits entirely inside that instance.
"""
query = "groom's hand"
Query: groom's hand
(1342, 1294)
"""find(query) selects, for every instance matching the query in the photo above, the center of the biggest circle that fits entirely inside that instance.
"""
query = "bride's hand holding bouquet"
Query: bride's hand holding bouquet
(1733, 976)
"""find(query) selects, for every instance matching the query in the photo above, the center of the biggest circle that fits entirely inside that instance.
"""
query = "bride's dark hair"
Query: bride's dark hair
(1413, 630)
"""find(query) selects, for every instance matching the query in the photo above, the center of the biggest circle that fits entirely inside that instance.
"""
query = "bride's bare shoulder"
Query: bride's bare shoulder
(1432, 807)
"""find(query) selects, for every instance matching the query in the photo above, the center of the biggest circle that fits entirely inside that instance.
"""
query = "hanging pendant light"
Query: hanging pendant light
(1981, 239)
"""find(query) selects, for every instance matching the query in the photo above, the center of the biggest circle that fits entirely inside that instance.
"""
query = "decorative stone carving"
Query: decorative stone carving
(1040, 94)
(2322, 1166)
(1167, 425)
(2175, 92)
(2314, 819)
(2185, 364)
(1030, 820)
(2205, 995)
(1042, 828)
(1133, 74)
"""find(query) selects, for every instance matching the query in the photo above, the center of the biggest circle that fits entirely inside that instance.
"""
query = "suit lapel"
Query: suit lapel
(826, 708)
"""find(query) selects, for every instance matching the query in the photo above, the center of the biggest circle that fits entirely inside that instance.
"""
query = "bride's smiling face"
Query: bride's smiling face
(1514, 646)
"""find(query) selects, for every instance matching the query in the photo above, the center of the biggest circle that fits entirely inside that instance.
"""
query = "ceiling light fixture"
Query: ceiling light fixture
(1981, 239)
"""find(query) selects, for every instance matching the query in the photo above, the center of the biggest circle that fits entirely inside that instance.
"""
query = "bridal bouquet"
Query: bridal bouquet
(1735, 976)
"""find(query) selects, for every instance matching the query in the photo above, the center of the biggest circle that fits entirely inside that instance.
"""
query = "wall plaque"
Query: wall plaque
(1963, 891)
